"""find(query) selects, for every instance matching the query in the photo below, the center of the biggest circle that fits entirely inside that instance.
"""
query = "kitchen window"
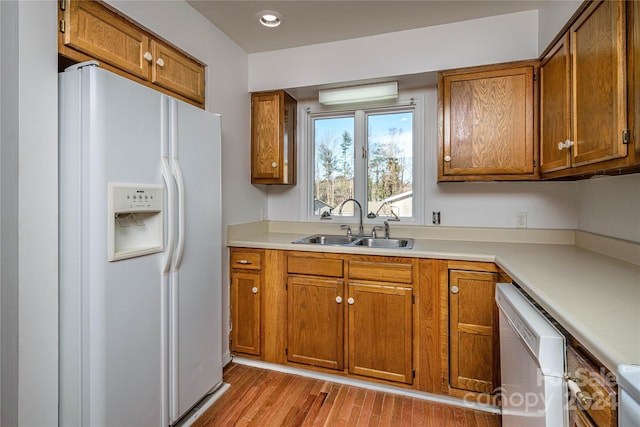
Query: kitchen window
(366, 154)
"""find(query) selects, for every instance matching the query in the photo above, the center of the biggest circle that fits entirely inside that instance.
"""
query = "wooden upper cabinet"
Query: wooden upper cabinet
(598, 60)
(486, 123)
(585, 100)
(634, 74)
(555, 107)
(473, 331)
(273, 148)
(176, 72)
(91, 30)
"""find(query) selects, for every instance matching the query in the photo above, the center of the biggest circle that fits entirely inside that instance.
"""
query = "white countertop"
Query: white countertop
(594, 297)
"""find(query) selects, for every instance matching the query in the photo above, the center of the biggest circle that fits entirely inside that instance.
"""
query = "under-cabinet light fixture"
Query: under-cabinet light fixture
(356, 94)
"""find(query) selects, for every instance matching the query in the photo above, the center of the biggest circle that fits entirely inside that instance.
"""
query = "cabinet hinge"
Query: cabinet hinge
(63, 4)
(535, 77)
(535, 163)
(626, 136)
(413, 372)
(286, 351)
(62, 26)
(413, 299)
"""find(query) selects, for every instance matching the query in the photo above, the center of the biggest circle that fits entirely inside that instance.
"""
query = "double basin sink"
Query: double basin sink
(356, 241)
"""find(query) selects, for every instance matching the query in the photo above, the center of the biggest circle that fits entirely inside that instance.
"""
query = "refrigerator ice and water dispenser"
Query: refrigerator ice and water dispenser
(135, 225)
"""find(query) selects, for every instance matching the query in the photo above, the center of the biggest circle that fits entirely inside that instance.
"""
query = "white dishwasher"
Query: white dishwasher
(532, 364)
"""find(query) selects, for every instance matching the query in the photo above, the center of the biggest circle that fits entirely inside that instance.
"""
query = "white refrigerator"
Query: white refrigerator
(140, 252)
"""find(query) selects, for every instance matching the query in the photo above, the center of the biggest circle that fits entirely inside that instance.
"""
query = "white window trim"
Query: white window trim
(306, 157)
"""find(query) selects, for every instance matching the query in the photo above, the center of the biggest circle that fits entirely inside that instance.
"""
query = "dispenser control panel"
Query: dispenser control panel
(137, 199)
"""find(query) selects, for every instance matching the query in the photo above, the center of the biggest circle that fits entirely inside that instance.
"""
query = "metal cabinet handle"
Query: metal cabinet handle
(243, 261)
(455, 290)
(574, 389)
(351, 301)
(338, 299)
(274, 165)
(447, 159)
(160, 62)
(148, 56)
(254, 290)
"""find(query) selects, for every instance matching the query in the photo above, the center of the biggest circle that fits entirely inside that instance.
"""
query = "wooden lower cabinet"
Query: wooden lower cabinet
(396, 320)
(245, 295)
(473, 336)
(381, 332)
(315, 323)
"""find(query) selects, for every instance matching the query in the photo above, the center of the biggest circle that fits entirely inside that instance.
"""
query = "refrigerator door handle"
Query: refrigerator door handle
(177, 173)
(166, 175)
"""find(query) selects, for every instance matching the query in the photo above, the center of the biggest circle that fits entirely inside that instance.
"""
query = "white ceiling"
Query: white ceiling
(318, 21)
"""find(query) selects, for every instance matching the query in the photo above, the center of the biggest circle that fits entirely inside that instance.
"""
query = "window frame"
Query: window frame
(313, 110)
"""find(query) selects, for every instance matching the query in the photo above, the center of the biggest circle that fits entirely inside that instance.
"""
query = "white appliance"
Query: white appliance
(628, 377)
(140, 252)
(532, 364)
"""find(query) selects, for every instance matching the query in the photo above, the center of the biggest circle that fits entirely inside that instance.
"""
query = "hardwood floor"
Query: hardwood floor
(260, 397)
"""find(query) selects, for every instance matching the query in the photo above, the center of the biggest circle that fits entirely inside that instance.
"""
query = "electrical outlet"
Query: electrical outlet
(521, 219)
(435, 217)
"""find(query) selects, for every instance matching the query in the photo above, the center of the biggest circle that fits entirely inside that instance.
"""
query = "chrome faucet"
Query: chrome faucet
(355, 202)
(385, 227)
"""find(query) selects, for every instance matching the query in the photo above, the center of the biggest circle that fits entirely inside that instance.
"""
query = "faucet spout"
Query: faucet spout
(355, 202)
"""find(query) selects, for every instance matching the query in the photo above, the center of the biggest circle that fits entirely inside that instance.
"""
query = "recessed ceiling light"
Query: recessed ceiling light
(269, 18)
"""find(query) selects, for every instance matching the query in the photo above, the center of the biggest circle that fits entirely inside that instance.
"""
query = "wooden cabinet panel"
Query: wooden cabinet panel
(246, 259)
(92, 30)
(381, 332)
(315, 266)
(634, 74)
(599, 389)
(178, 73)
(486, 117)
(245, 311)
(555, 107)
(273, 121)
(315, 321)
(96, 31)
(473, 335)
(599, 82)
(396, 272)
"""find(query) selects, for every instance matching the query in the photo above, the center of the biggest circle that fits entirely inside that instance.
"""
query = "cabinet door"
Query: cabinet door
(381, 332)
(176, 72)
(634, 94)
(599, 83)
(487, 122)
(267, 130)
(473, 335)
(315, 323)
(555, 108)
(245, 311)
(99, 33)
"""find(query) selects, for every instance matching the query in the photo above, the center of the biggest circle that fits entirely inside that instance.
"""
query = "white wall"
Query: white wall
(552, 16)
(480, 41)
(610, 206)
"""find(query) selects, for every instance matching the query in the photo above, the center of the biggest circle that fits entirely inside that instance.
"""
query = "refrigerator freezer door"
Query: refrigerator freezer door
(196, 365)
(110, 312)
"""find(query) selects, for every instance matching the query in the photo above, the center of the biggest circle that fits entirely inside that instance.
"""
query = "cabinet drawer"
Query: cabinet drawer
(595, 384)
(246, 260)
(315, 266)
(395, 272)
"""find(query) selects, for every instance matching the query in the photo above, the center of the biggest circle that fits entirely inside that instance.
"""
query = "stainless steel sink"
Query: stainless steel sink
(327, 239)
(385, 243)
(355, 241)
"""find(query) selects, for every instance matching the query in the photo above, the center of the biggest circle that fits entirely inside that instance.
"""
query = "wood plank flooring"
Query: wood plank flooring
(259, 397)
